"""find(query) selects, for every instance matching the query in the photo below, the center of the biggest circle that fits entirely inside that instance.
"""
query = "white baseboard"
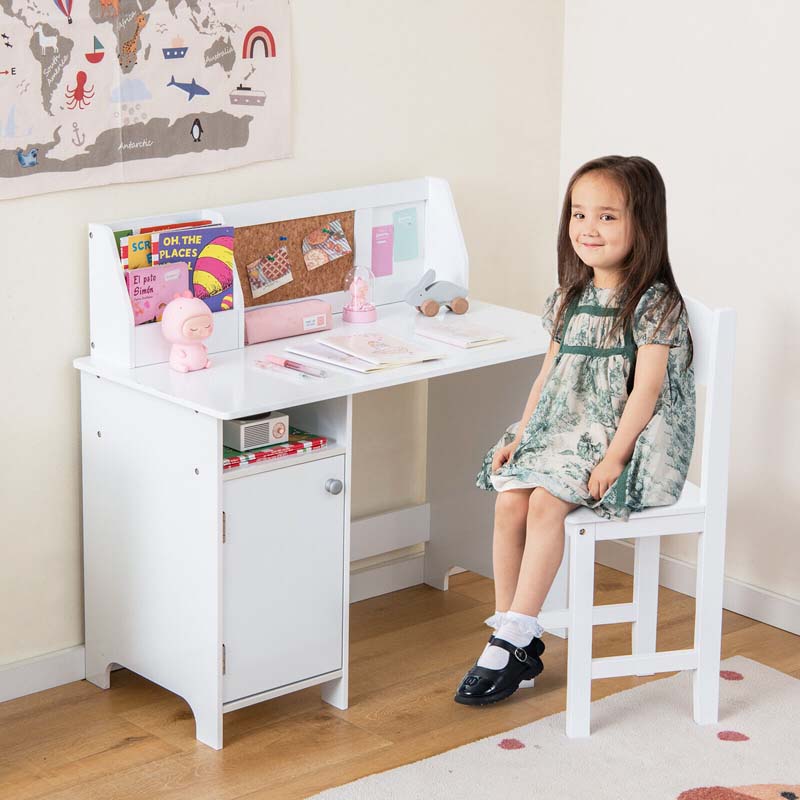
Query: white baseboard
(392, 530)
(740, 597)
(42, 672)
(379, 576)
(402, 570)
(395, 574)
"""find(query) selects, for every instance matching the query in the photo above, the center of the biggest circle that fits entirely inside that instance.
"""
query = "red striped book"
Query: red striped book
(299, 442)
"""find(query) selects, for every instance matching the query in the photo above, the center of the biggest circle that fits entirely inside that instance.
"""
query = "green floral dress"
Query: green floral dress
(581, 404)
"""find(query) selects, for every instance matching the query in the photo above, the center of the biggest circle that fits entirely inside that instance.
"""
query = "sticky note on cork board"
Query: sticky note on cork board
(406, 236)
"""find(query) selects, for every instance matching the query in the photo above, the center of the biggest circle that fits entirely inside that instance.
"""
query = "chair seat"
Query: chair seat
(689, 502)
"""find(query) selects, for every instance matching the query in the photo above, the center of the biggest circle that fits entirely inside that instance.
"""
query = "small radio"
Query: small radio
(256, 431)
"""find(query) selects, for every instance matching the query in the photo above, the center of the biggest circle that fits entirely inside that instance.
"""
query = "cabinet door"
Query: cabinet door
(284, 571)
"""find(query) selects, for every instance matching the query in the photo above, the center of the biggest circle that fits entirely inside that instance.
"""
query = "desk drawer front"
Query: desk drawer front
(283, 583)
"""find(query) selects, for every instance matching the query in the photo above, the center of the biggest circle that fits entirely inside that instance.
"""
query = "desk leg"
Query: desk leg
(467, 414)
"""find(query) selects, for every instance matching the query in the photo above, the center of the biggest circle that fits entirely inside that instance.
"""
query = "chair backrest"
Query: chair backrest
(713, 335)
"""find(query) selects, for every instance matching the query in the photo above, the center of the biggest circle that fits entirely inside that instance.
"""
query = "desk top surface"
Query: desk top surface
(234, 387)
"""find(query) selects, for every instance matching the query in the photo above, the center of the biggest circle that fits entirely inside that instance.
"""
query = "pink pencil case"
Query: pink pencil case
(290, 319)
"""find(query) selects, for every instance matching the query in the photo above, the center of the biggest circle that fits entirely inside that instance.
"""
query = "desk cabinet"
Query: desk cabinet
(225, 588)
(283, 576)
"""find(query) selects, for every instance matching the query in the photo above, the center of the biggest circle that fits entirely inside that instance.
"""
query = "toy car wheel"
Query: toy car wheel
(430, 308)
(459, 305)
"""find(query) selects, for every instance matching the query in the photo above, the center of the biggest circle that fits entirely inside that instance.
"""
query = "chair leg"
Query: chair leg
(708, 625)
(645, 596)
(579, 643)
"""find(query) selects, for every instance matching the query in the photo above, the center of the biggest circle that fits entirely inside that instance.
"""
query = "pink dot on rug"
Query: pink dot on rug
(732, 736)
(730, 675)
(511, 744)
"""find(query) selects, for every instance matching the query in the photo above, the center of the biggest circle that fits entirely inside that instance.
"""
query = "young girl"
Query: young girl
(609, 423)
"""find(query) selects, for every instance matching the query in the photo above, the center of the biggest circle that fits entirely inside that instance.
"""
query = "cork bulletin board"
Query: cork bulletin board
(259, 250)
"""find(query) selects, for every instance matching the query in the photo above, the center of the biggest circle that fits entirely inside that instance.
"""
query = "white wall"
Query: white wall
(707, 91)
(382, 91)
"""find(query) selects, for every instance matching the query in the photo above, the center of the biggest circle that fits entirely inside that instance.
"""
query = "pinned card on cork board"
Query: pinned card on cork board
(296, 258)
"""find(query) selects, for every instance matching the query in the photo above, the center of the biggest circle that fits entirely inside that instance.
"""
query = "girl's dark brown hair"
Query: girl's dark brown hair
(647, 262)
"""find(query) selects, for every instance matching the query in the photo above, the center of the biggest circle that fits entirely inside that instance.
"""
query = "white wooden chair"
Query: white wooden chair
(699, 509)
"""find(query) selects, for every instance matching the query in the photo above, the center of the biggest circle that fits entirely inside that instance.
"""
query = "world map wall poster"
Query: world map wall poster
(105, 91)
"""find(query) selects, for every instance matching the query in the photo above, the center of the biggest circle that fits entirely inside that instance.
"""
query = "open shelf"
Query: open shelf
(113, 335)
(332, 449)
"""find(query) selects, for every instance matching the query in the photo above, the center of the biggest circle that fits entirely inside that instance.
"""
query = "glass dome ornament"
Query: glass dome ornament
(359, 288)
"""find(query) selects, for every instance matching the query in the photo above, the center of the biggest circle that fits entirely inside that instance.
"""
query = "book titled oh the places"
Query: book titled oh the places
(209, 253)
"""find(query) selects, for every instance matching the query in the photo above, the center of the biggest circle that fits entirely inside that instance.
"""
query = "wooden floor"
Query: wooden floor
(408, 650)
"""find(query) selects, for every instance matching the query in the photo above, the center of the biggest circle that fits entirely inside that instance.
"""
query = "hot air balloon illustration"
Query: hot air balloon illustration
(65, 7)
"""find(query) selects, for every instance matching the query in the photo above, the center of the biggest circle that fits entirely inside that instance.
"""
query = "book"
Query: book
(319, 352)
(300, 442)
(136, 251)
(209, 254)
(198, 223)
(461, 332)
(379, 348)
(118, 235)
(151, 288)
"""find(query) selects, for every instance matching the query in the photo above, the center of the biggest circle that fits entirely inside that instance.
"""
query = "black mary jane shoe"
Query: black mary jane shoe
(481, 685)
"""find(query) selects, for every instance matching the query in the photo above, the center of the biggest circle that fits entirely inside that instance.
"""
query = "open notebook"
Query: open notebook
(320, 352)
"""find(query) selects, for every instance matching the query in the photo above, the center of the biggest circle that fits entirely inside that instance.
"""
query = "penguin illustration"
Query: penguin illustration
(197, 130)
(28, 159)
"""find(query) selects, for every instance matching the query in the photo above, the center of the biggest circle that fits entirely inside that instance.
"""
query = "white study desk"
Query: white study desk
(186, 567)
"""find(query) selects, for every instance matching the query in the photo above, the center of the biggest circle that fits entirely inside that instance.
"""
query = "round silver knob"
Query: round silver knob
(333, 486)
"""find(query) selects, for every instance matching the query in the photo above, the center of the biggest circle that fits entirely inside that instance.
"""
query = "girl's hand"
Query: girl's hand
(603, 475)
(502, 454)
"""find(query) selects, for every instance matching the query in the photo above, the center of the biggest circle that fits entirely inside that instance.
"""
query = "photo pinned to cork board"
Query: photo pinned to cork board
(292, 259)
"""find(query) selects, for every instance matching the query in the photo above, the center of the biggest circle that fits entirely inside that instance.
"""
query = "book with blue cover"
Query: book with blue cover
(209, 253)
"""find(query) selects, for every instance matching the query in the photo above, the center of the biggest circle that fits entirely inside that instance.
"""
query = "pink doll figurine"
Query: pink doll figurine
(360, 293)
(185, 322)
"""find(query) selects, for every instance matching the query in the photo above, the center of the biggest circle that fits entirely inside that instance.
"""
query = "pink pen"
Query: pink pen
(296, 365)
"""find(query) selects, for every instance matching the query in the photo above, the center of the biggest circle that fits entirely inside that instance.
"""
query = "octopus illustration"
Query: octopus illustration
(80, 96)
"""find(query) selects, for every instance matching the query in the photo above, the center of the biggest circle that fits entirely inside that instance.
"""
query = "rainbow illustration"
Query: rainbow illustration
(257, 34)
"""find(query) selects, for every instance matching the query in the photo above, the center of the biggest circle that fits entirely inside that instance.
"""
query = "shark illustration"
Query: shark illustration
(191, 89)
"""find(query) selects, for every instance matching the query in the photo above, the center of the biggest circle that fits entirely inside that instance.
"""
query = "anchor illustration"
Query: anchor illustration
(78, 138)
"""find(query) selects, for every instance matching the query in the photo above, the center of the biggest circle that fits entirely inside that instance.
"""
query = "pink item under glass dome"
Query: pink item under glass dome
(359, 288)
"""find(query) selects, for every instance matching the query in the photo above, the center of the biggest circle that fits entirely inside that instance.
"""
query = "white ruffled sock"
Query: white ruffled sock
(496, 620)
(514, 627)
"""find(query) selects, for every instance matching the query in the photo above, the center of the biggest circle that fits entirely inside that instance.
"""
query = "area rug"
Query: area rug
(644, 744)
